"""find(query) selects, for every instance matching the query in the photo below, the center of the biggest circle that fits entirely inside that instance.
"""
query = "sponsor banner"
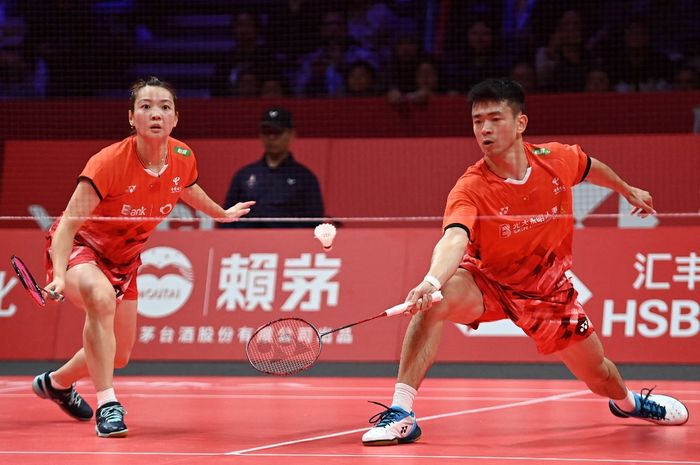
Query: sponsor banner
(203, 293)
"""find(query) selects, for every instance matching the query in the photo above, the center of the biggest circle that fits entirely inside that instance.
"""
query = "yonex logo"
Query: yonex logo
(404, 429)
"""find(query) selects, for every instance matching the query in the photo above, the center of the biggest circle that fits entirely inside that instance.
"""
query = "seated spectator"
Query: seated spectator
(482, 59)
(686, 78)
(524, 74)
(273, 87)
(248, 57)
(280, 186)
(400, 73)
(636, 66)
(597, 80)
(426, 83)
(320, 73)
(361, 80)
(561, 66)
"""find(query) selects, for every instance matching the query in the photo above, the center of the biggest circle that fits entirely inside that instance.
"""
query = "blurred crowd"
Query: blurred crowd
(404, 49)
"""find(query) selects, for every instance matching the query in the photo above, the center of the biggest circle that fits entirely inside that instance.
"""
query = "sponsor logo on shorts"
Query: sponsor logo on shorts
(165, 282)
(583, 326)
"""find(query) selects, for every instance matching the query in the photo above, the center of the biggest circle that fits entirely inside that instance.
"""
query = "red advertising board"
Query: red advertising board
(202, 293)
(369, 177)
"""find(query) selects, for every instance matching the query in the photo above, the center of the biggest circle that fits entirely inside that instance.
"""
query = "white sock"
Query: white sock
(56, 385)
(404, 395)
(105, 396)
(628, 404)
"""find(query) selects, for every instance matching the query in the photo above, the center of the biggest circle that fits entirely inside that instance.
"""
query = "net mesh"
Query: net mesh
(284, 347)
(376, 89)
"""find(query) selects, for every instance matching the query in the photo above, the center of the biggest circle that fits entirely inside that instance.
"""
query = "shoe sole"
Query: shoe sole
(116, 434)
(396, 441)
(39, 389)
(390, 442)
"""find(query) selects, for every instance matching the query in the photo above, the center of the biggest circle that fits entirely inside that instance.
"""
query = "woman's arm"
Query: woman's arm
(196, 198)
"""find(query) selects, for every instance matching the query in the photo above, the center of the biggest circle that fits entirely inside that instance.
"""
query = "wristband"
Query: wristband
(432, 280)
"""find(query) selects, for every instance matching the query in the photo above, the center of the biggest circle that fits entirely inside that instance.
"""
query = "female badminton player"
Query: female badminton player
(93, 249)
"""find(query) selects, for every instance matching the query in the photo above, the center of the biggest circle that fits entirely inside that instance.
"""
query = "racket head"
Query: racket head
(27, 280)
(284, 347)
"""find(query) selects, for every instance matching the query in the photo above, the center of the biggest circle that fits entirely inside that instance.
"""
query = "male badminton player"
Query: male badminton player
(126, 189)
(505, 248)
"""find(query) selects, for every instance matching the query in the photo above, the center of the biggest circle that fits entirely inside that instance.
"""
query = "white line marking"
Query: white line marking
(362, 456)
(483, 457)
(423, 419)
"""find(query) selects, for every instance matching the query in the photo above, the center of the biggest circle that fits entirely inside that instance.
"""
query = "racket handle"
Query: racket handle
(400, 308)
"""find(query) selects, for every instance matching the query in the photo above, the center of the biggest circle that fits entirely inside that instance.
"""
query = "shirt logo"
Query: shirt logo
(131, 189)
(182, 151)
(291, 181)
(165, 209)
(541, 151)
(503, 211)
(128, 210)
(252, 180)
(505, 230)
(558, 188)
(176, 188)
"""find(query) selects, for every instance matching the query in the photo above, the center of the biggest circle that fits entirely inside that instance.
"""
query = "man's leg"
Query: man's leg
(586, 360)
(462, 303)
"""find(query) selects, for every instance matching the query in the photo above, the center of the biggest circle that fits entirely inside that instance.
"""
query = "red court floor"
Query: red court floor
(314, 421)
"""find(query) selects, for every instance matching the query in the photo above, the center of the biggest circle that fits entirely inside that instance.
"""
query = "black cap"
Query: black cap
(277, 117)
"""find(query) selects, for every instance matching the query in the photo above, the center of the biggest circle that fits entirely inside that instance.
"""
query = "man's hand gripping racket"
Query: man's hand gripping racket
(290, 345)
(25, 277)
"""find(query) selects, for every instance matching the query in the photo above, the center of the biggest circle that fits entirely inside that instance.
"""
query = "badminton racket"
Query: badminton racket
(290, 345)
(29, 283)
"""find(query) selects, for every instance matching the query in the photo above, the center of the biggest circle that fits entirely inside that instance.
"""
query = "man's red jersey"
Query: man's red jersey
(521, 230)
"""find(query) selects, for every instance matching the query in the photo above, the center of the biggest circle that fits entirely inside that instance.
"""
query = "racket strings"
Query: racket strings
(284, 347)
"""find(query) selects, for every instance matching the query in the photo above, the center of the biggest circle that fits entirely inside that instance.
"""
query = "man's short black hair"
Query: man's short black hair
(498, 90)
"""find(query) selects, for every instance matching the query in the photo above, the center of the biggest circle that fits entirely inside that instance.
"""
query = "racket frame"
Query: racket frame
(395, 310)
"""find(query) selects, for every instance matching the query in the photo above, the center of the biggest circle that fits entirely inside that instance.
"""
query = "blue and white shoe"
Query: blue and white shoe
(392, 426)
(656, 408)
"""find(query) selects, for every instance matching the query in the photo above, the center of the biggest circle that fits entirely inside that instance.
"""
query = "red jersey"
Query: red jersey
(521, 231)
(127, 190)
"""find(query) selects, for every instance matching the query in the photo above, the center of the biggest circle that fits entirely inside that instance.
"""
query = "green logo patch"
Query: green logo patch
(541, 151)
(183, 151)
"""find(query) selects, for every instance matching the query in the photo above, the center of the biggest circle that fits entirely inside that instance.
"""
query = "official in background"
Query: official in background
(280, 186)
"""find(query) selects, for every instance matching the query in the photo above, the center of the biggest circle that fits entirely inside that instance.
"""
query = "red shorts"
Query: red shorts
(122, 278)
(554, 321)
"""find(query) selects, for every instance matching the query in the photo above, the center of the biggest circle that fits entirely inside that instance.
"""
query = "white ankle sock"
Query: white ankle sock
(105, 396)
(404, 395)
(56, 385)
(628, 404)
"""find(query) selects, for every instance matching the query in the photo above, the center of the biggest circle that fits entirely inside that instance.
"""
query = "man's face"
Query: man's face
(496, 127)
(275, 139)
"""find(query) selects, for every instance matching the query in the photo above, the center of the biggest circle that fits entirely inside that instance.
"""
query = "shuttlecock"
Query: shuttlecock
(325, 232)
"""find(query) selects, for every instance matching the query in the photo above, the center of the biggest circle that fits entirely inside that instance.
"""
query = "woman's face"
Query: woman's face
(154, 112)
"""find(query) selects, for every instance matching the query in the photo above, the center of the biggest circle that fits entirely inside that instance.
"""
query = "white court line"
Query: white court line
(363, 456)
(310, 397)
(483, 457)
(422, 419)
